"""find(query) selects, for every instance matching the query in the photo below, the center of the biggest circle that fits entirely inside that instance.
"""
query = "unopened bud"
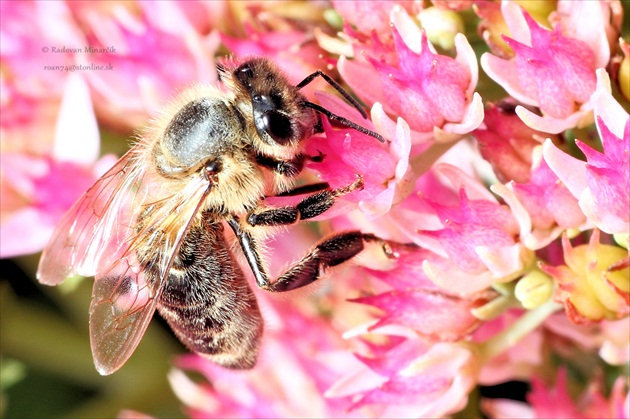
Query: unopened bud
(534, 289)
(441, 26)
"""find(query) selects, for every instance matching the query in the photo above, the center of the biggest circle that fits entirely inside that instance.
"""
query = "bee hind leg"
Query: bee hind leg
(329, 252)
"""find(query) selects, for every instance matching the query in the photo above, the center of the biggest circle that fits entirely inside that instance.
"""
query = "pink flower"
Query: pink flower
(556, 402)
(30, 42)
(543, 207)
(412, 379)
(433, 93)
(384, 168)
(602, 186)
(149, 53)
(371, 16)
(476, 239)
(38, 190)
(417, 304)
(551, 70)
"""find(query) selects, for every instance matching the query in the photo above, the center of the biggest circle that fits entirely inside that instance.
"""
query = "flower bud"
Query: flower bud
(623, 74)
(441, 26)
(534, 289)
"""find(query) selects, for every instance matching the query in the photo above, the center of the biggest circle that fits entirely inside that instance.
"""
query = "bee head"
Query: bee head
(277, 106)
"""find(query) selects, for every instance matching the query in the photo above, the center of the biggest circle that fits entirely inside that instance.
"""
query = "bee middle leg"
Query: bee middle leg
(327, 253)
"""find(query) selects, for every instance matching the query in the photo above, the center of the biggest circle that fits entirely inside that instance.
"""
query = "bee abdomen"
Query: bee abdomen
(230, 342)
(207, 302)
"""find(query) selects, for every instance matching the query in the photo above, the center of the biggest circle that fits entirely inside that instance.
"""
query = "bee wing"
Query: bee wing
(93, 227)
(124, 298)
(101, 236)
(123, 303)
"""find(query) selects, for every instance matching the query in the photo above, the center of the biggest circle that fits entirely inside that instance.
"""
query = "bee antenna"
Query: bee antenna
(343, 121)
(337, 87)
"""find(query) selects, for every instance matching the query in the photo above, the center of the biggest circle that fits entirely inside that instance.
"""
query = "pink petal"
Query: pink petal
(571, 171)
(504, 73)
(24, 232)
(77, 137)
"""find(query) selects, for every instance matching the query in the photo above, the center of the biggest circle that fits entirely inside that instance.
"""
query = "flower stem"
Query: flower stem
(518, 330)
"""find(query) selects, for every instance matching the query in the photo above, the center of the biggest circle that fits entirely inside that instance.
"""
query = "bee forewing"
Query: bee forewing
(90, 235)
(123, 303)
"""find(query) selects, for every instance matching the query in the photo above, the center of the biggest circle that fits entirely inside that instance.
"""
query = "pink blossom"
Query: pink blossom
(415, 303)
(433, 93)
(506, 143)
(557, 402)
(412, 379)
(551, 70)
(385, 170)
(371, 16)
(477, 241)
(602, 185)
(38, 190)
(544, 206)
(30, 42)
(154, 52)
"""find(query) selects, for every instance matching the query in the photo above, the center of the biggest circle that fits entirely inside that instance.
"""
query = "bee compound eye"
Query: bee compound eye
(278, 127)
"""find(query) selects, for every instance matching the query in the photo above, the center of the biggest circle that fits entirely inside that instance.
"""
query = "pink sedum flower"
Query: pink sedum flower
(38, 190)
(385, 169)
(412, 379)
(602, 185)
(506, 143)
(416, 304)
(544, 207)
(433, 93)
(156, 53)
(371, 16)
(556, 402)
(477, 241)
(551, 70)
(30, 42)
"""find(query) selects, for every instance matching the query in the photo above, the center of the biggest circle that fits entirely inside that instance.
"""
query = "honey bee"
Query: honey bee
(151, 230)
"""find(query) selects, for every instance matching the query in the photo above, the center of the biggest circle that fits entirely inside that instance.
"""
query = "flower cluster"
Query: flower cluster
(508, 217)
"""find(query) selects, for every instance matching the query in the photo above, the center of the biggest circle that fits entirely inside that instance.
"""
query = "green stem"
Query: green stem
(518, 330)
